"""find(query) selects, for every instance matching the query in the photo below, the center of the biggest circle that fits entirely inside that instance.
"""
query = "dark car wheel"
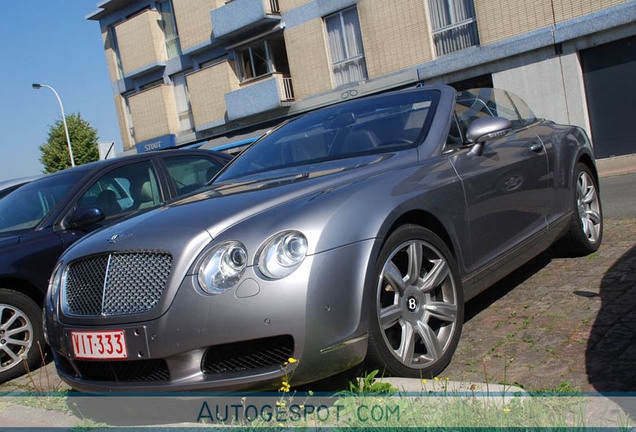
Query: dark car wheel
(418, 305)
(586, 227)
(20, 332)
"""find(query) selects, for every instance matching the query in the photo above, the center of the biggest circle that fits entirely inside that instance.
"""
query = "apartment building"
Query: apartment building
(218, 73)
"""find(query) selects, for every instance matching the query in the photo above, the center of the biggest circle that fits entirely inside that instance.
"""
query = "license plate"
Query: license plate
(99, 345)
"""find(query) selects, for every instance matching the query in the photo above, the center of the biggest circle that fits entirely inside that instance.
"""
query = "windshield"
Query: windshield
(364, 126)
(24, 208)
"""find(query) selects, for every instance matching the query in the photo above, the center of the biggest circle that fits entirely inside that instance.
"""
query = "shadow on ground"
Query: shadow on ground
(611, 350)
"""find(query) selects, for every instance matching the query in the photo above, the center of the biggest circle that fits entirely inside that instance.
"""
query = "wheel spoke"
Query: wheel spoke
(394, 277)
(389, 316)
(18, 342)
(430, 340)
(10, 353)
(17, 330)
(407, 343)
(415, 262)
(436, 276)
(582, 184)
(589, 196)
(11, 320)
(591, 229)
(443, 311)
(593, 216)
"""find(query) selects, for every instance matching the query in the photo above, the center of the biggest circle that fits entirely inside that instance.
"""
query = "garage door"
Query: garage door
(609, 72)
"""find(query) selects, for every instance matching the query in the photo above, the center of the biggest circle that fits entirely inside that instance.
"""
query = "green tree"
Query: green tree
(84, 138)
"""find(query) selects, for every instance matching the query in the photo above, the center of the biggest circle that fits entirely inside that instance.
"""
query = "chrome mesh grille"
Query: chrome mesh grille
(121, 283)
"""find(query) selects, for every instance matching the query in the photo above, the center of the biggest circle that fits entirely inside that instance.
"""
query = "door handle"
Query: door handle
(536, 147)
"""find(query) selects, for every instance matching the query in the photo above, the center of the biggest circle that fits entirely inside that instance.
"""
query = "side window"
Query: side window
(190, 173)
(122, 190)
(486, 102)
(526, 114)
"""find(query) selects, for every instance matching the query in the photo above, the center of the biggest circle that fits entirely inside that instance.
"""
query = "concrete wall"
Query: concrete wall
(154, 113)
(553, 95)
(207, 89)
(286, 5)
(141, 41)
(395, 40)
(502, 19)
(308, 61)
(193, 21)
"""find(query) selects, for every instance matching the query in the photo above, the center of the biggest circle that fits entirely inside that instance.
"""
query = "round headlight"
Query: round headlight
(222, 267)
(282, 254)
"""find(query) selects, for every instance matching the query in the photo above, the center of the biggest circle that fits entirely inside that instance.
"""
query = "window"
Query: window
(476, 103)
(128, 120)
(190, 173)
(262, 58)
(169, 27)
(345, 47)
(454, 25)
(182, 100)
(125, 189)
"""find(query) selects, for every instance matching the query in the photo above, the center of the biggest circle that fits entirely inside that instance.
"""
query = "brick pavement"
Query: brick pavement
(557, 321)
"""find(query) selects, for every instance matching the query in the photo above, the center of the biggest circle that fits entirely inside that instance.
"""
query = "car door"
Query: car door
(506, 188)
(120, 191)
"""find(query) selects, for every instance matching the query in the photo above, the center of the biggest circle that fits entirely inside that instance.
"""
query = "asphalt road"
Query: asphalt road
(618, 196)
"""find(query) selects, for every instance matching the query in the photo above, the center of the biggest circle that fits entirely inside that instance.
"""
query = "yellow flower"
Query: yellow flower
(302, 406)
(447, 379)
(281, 425)
(310, 393)
(424, 381)
(506, 410)
(436, 379)
(292, 360)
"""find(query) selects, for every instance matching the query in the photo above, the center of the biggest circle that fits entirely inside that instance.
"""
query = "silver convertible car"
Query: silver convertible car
(353, 233)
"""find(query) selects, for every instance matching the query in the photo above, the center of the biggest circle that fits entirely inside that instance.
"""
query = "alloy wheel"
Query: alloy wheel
(417, 304)
(16, 336)
(588, 207)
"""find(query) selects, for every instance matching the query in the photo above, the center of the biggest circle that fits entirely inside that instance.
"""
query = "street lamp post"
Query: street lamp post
(68, 138)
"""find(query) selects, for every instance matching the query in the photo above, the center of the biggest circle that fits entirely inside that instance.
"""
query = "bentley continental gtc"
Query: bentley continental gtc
(353, 233)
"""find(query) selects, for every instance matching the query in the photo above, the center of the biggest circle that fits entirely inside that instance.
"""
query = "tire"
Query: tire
(427, 311)
(20, 332)
(585, 232)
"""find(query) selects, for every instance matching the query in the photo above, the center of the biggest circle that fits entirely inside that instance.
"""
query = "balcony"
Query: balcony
(456, 37)
(141, 43)
(240, 16)
(260, 96)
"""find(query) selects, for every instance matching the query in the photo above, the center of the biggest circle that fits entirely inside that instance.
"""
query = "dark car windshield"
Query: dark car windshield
(24, 208)
(364, 126)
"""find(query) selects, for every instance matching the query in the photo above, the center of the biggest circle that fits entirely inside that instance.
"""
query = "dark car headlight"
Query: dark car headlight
(222, 267)
(54, 282)
(281, 254)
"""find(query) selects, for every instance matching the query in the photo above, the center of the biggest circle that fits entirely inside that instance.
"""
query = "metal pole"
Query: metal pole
(68, 138)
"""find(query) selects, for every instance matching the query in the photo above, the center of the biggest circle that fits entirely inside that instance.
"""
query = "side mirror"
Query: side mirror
(484, 129)
(83, 217)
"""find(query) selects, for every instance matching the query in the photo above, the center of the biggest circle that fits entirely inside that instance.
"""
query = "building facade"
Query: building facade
(218, 73)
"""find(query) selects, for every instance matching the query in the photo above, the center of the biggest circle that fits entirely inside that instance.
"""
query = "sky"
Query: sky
(49, 42)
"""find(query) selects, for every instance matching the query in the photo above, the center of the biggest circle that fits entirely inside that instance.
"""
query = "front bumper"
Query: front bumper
(318, 310)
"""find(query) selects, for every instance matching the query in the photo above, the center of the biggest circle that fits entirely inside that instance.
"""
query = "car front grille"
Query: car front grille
(119, 283)
(248, 355)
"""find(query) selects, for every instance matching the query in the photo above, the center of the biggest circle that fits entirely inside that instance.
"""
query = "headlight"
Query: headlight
(222, 267)
(55, 282)
(282, 254)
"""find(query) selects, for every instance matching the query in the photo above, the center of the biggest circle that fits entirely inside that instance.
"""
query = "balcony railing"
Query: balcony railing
(288, 90)
(273, 7)
(456, 37)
